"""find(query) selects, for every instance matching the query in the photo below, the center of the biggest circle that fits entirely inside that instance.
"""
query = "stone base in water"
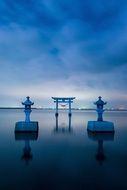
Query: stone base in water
(23, 126)
(100, 126)
(106, 136)
(21, 136)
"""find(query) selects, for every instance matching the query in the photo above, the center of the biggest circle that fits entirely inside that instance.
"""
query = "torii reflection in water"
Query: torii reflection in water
(63, 128)
(100, 138)
(26, 137)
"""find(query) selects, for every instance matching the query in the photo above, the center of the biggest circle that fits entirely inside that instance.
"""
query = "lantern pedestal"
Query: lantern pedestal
(22, 126)
(100, 126)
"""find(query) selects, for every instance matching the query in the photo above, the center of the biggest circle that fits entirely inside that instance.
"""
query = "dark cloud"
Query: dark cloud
(79, 45)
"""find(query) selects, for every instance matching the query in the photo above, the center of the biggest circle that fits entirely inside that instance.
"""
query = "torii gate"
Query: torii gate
(67, 100)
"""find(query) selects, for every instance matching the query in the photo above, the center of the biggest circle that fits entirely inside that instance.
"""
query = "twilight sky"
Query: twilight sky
(63, 48)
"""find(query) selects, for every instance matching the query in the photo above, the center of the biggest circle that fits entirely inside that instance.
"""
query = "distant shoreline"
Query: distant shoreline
(82, 109)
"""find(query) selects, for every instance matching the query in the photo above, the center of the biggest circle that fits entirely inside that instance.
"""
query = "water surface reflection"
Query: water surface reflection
(63, 128)
(100, 138)
(58, 160)
(26, 137)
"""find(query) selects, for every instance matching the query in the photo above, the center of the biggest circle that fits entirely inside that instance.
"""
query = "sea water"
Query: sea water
(63, 155)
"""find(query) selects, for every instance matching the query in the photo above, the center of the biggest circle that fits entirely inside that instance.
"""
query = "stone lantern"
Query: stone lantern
(27, 109)
(100, 125)
(100, 104)
(27, 125)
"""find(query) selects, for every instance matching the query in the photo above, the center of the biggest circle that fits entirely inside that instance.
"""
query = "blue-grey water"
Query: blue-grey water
(62, 155)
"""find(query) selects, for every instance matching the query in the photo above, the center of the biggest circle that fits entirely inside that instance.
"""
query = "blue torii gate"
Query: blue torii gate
(67, 100)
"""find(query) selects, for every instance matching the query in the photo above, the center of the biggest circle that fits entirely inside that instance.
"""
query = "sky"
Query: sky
(63, 48)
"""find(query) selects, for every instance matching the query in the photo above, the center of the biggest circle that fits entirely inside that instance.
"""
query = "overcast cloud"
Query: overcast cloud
(63, 48)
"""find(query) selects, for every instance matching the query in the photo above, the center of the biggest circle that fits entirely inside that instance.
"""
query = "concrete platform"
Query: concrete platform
(23, 126)
(100, 126)
(21, 136)
(106, 136)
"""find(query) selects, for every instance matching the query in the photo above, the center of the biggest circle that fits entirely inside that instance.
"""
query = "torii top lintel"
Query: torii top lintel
(63, 99)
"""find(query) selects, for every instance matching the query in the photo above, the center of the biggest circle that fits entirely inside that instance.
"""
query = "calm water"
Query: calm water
(62, 156)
